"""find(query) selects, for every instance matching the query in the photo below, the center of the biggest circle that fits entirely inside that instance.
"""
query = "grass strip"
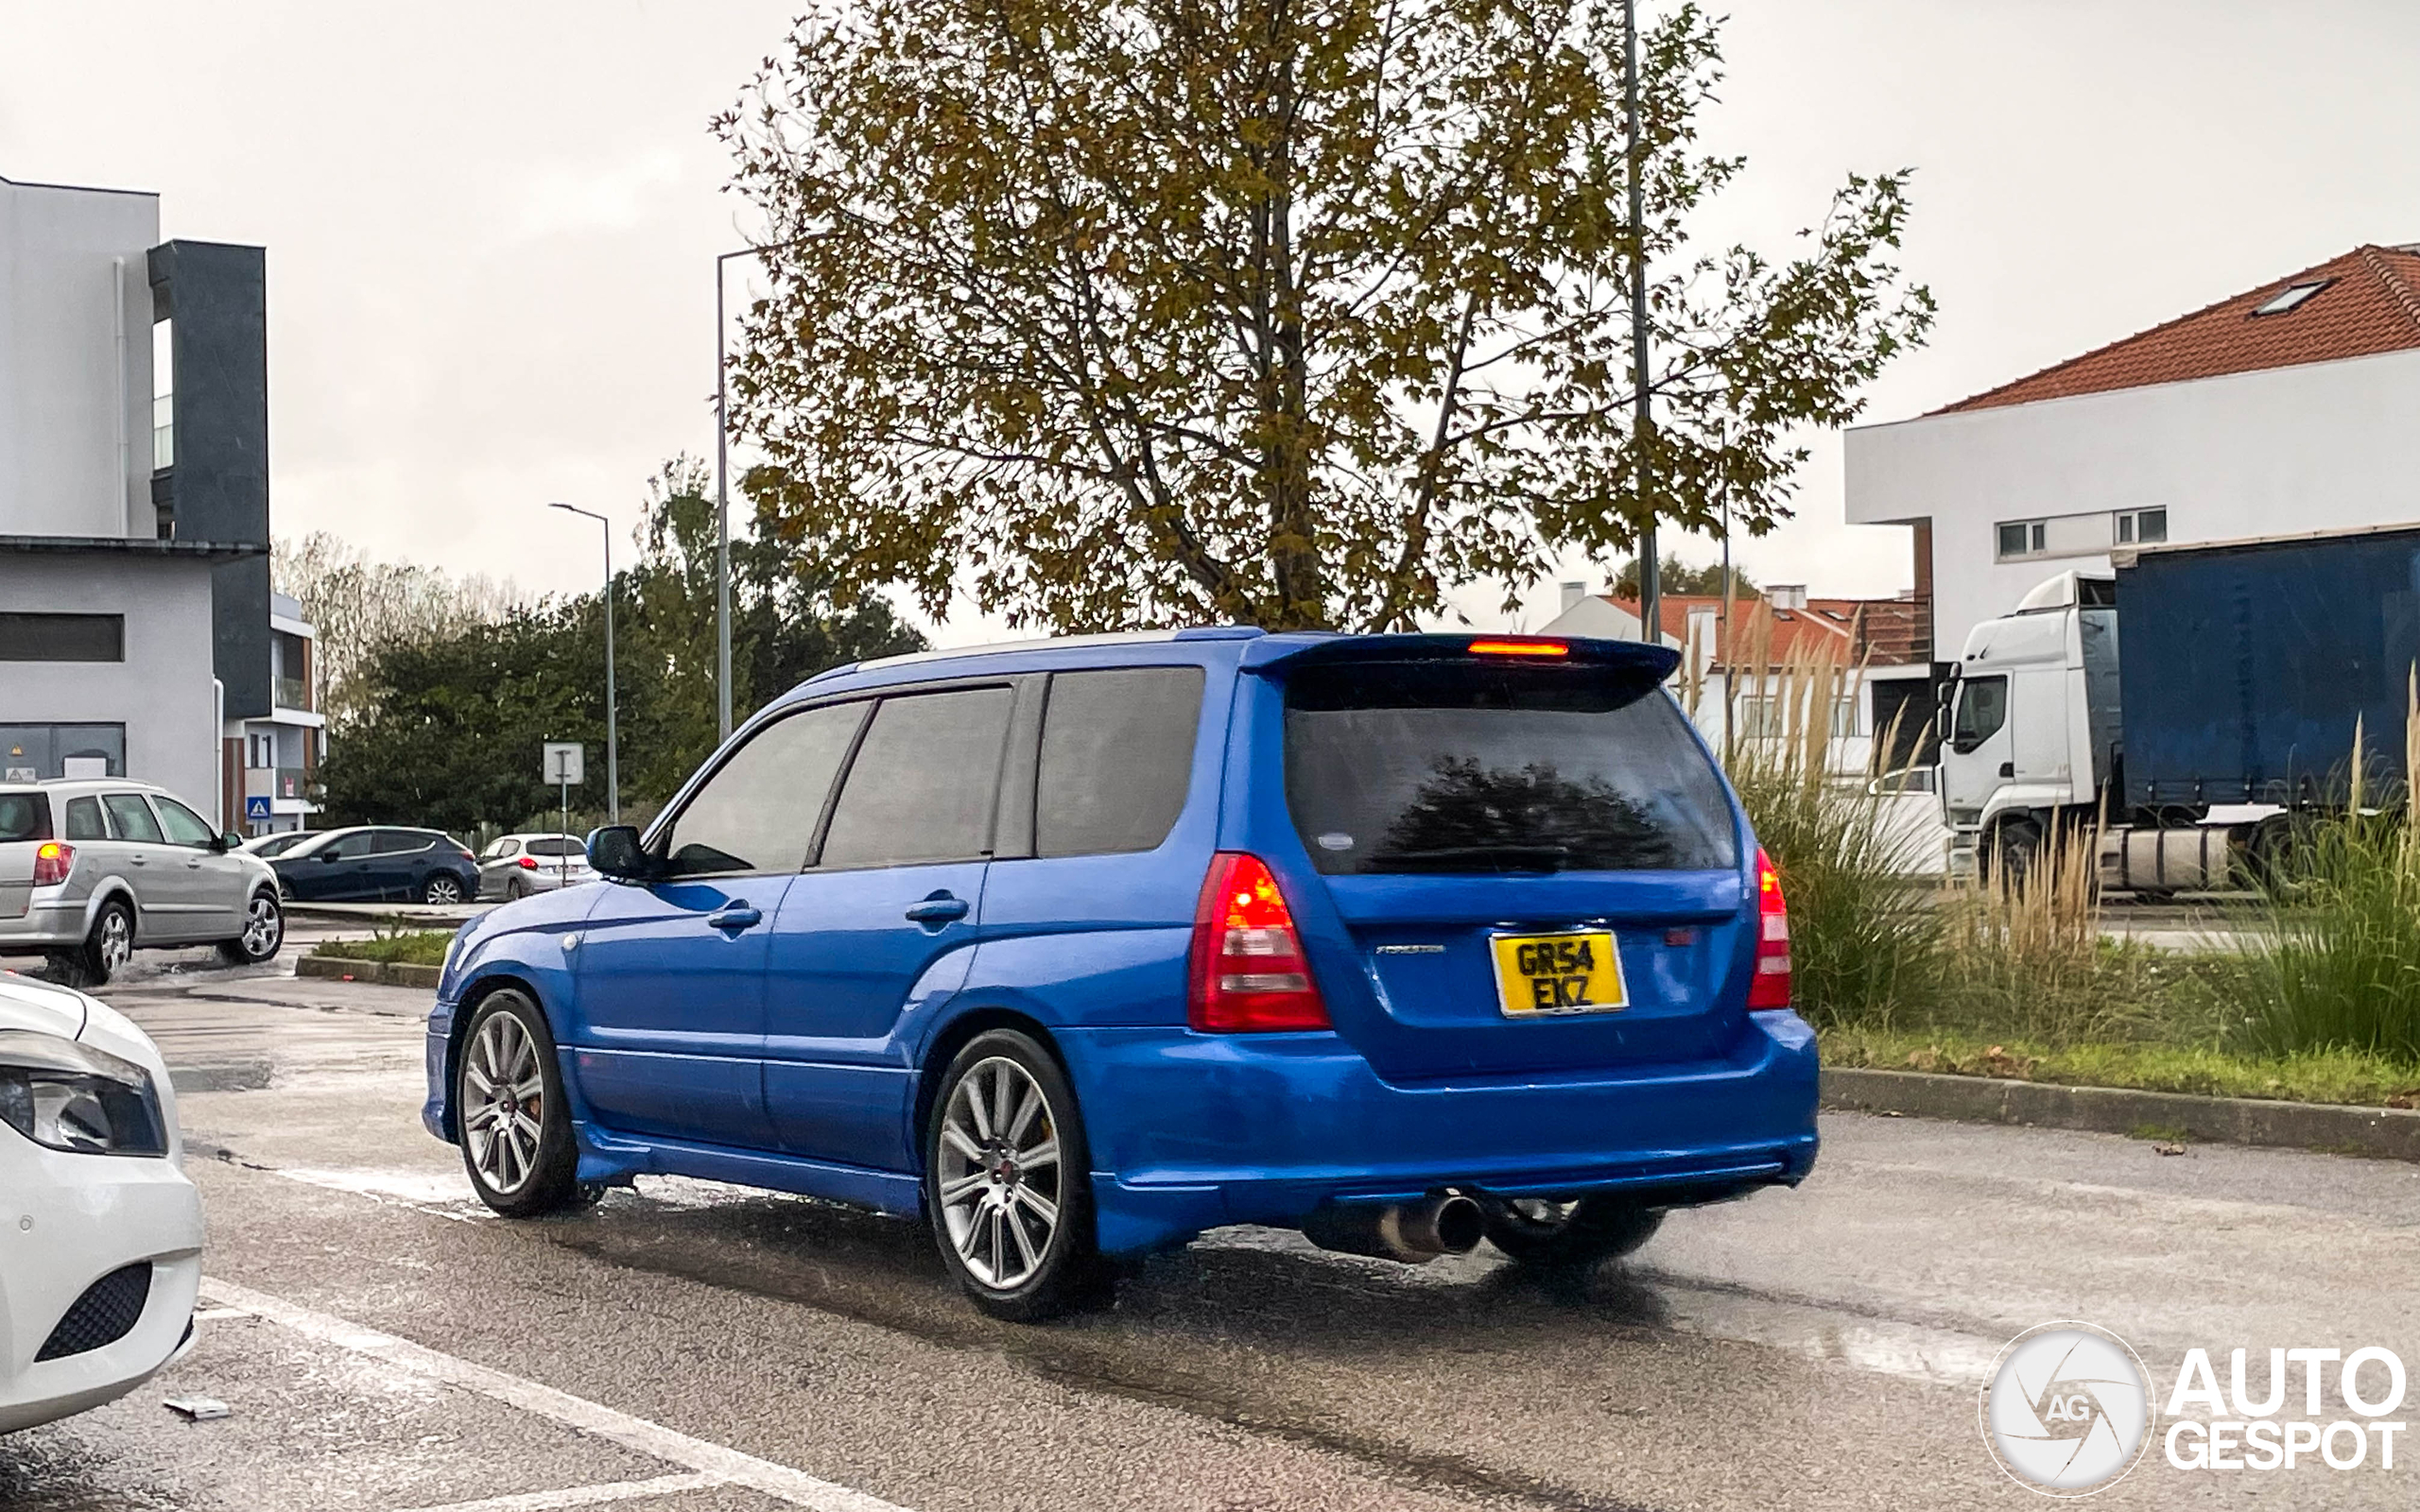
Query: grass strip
(2352, 1078)
(411, 947)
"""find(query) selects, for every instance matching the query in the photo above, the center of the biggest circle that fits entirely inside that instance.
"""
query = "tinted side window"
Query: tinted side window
(759, 810)
(132, 816)
(1116, 759)
(386, 842)
(84, 820)
(184, 825)
(922, 786)
(351, 847)
(554, 847)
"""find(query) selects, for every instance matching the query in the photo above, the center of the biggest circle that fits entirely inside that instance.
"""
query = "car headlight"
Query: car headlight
(72, 1097)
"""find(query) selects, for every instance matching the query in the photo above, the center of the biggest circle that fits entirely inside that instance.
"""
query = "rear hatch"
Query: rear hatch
(25, 823)
(1534, 863)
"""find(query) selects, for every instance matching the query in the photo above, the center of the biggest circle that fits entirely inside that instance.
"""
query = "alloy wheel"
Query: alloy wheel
(504, 1099)
(117, 940)
(264, 927)
(1000, 1181)
(442, 889)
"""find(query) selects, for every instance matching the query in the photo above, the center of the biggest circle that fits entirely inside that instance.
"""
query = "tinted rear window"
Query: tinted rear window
(1460, 766)
(1116, 759)
(24, 816)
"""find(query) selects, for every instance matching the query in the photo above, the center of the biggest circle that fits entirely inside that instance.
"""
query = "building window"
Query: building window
(31, 754)
(62, 637)
(2141, 527)
(163, 395)
(2290, 297)
(2022, 538)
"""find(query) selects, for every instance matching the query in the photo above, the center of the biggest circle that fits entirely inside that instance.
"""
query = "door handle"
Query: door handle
(736, 917)
(940, 908)
(2008, 768)
(138, 860)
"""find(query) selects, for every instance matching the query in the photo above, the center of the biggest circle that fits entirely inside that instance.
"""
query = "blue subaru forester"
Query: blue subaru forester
(1080, 948)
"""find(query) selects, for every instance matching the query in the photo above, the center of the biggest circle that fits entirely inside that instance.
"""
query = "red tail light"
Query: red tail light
(53, 861)
(529, 863)
(1770, 987)
(1248, 972)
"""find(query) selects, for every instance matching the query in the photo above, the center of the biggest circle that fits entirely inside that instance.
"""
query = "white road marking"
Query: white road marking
(581, 1495)
(215, 1315)
(780, 1482)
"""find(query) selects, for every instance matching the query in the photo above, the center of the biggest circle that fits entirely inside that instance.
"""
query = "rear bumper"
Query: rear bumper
(47, 924)
(1199, 1130)
(65, 1222)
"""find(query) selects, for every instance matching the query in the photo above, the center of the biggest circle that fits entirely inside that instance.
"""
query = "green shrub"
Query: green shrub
(410, 946)
(2339, 969)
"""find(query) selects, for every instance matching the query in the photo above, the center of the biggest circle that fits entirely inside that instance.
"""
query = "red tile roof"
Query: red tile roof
(1896, 630)
(2371, 305)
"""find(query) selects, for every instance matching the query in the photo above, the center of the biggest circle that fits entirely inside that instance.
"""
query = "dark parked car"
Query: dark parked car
(379, 865)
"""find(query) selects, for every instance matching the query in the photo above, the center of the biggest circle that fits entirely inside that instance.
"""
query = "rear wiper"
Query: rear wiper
(1522, 857)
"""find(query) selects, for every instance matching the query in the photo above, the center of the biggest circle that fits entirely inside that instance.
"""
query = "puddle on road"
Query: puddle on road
(1883, 1346)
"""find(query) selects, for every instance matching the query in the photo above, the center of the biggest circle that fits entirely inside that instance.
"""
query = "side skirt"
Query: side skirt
(609, 1157)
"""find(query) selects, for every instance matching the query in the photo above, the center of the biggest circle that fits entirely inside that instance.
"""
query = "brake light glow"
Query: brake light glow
(1770, 987)
(1248, 970)
(1523, 647)
(53, 861)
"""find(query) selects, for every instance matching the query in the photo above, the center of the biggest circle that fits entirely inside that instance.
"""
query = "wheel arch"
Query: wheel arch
(954, 1036)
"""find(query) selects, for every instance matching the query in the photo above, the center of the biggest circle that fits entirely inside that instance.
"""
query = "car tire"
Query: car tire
(2014, 850)
(1570, 1235)
(1010, 1203)
(263, 932)
(441, 887)
(515, 890)
(523, 1161)
(107, 949)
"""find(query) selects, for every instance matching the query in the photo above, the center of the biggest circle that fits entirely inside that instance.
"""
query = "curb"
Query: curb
(381, 973)
(2389, 1133)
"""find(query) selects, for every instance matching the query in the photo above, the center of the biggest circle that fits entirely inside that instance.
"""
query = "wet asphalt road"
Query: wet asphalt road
(385, 1343)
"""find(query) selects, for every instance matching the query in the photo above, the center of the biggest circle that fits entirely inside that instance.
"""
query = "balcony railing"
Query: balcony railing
(293, 693)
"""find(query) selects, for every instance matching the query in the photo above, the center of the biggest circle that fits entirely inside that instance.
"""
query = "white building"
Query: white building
(2293, 407)
(137, 635)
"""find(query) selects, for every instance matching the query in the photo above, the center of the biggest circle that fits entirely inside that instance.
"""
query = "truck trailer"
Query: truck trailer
(2247, 668)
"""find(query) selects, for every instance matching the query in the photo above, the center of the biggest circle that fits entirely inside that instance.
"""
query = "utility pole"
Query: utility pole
(612, 735)
(1650, 594)
(722, 511)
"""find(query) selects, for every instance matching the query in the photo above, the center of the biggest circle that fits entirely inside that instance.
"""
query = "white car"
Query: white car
(100, 1231)
(516, 866)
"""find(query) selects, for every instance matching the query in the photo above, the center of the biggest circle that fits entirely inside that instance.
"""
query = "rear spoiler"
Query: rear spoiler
(1273, 653)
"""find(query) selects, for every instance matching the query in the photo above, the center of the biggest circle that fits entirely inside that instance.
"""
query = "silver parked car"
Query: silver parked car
(92, 869)
(516, 866)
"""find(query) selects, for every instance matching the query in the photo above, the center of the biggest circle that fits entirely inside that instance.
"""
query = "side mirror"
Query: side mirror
(329, 853)
(229, 841)
(615, 852)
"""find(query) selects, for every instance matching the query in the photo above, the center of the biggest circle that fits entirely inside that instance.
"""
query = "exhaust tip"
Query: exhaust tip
(1459, 1222)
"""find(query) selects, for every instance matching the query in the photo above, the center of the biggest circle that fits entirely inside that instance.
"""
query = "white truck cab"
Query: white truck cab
(2033, 721)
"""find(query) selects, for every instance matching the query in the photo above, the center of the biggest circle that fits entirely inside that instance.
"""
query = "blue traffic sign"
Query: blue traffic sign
(256, 808)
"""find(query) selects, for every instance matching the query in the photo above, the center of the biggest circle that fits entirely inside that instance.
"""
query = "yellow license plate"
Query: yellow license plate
(1574, 972)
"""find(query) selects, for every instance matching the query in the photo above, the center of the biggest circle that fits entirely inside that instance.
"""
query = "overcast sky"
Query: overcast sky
(491, 228)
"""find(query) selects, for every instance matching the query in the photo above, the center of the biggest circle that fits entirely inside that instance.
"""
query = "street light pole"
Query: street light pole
(1650, 588)
(722, 511)
(612, 734)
